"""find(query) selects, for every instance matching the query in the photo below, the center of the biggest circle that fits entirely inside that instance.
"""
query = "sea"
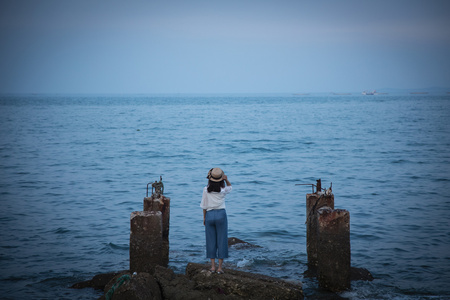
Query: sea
(74, 167)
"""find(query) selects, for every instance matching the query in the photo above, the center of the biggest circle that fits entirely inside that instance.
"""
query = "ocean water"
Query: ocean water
(73, 168)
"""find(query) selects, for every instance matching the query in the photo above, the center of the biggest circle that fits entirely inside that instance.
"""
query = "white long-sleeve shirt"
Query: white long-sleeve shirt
(214, 200)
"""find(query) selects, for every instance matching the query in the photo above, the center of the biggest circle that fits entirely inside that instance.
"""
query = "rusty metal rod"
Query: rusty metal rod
(311, 184)
(147, 188)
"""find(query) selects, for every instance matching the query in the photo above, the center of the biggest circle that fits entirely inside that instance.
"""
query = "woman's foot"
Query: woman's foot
(213, 266)
(220, 270)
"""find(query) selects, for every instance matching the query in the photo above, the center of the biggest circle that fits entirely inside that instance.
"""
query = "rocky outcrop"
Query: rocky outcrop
(355, 274)
(142, 286)
(180, 287)
(198, 283)
(242, 285)
(99, 281)
(240, 244)
(360, 274)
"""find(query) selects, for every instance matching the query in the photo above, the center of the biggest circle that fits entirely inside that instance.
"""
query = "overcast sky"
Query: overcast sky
(107, 46)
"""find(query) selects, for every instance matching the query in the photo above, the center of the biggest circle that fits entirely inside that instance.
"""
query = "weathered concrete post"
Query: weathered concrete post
(328, 240)
(160, 203)
(149, 236)
(314, 201)
(333, 249)
(146, 241)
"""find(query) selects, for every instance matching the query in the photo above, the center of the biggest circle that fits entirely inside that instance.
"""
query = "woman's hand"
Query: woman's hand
(225, 177)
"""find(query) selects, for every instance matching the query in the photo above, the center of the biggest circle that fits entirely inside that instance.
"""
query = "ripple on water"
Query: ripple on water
(68, 188)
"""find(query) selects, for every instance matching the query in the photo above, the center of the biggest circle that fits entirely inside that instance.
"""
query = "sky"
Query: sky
(171, 46)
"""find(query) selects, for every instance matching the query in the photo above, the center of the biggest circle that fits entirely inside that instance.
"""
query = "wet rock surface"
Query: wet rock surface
(98, 282)
(242, 285)
(360, 274)
(197, 283)
(355, 273)
(142, 286)
(240, 244)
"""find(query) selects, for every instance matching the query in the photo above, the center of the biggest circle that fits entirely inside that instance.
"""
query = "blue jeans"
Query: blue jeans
(216, 231)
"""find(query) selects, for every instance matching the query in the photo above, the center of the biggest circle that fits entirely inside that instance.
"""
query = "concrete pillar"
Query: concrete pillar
(313, 203)
(146, 244)
(333, 249)
(157, 202)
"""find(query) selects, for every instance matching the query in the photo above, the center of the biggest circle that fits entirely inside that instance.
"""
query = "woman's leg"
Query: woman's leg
(220, 265)
(222, 235)
(213, 265)
(211, 235)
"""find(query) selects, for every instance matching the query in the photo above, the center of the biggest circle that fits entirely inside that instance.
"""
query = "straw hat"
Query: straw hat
(215, 174)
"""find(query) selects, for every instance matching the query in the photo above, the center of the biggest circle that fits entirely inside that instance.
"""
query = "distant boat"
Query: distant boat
(369, 92)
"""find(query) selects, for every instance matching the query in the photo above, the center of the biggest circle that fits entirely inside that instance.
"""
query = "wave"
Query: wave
(111, 247)
(67, 188)
(62, 230)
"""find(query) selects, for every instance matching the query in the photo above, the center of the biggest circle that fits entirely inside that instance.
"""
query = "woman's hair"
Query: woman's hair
(215, 186)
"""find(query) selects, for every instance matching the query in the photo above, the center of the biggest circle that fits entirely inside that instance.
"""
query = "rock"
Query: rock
(242, 285)
(240, 244)
(98, 281)
(178, 287)
(361, 274)
(142, 286)
(198, 283)
(310, 272)
(114, 281)
(355, 273)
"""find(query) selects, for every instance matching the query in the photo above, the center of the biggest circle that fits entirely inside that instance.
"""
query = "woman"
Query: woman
(215, 217)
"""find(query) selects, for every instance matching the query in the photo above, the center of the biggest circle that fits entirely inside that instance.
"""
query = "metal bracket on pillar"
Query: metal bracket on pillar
(157, 186)
(318, 187)
(311, 184)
